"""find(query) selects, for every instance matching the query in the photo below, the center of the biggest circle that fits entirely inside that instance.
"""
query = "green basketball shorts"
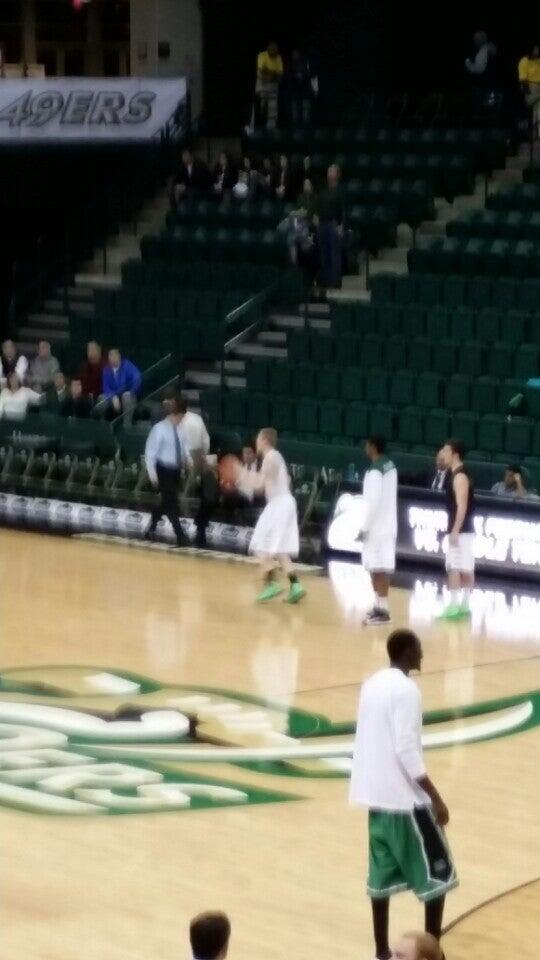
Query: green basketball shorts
(408, 851)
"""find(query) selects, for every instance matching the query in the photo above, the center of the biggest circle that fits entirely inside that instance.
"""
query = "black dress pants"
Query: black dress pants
(168, 484)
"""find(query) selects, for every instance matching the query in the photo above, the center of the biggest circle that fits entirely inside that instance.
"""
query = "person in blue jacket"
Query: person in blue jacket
(121, 385)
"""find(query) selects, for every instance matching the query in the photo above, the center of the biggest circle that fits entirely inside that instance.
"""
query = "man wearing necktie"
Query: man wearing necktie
(165, 459)
(440, 478)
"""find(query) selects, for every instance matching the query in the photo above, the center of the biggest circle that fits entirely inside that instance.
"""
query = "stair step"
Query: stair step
(231, 366)
(259, 350)
(101, 281)
(48, 320)
(192, 396)
(202, 379)
(80, 293)
(272, 337)
(33, 335)
(289, 322)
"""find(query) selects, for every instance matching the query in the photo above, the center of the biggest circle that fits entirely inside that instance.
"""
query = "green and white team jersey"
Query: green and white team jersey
(380, 496)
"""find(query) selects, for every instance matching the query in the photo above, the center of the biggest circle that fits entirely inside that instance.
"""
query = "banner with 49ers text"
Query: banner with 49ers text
(89, 109)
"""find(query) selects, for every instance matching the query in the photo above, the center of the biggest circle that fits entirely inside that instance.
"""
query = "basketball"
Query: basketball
(228, 471)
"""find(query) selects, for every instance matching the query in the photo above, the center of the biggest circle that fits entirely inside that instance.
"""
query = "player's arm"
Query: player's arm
(257, 481)
(372, 491)
(461, 490)
(150, 456)
(406, 723)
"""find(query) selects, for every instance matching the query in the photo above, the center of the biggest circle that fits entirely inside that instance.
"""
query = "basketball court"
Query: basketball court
(261, 828)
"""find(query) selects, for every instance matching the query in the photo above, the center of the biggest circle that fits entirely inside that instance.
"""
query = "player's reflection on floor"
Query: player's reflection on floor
(352, 587)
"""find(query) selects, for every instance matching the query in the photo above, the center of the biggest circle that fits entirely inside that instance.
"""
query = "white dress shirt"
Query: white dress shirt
(21, 369)
(162, 448)
(194, 433)
(15, 403)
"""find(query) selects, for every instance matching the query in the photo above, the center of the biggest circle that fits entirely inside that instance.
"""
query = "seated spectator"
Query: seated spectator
(224, 176)
(57, 394)
(266, 178)
(209, 935)
(296, 229)
(192, 178)
(480, 66)
(15, 399)
(417, 946)
(513, 485)
(439, 479)
(330, 219)
(91, 372)
(241, 190)
(251, 178)
(43, 367)
(307, 199)
(11, 361)
(285, 181)
(529, 78)
(121, 385)
(76, 404)
(269, 74)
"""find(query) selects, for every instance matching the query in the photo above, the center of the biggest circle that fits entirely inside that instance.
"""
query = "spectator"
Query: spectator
(11, 361)
(43, 367)
(296, 228)
(417, 946)
(193, 177)
(15, 399)
(480, 66)
(513, 485)
(209, 935)
(307, 171)
(76, 404)
(284, 180)
(121, 385)
(241, 189)
(307, 201)
(269, 74)
(529, 78)
(58, 393)
(440, 478)
(224, 176)
(251, 178)
(330, 217)
(299, 89)
(91, 372)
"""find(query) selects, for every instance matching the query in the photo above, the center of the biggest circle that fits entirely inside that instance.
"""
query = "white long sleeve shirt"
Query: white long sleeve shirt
(387, 757)
(380, 497)
(194, 433)
(14, 403)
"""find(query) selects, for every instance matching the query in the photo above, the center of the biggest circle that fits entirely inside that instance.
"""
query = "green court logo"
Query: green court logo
(85, 741)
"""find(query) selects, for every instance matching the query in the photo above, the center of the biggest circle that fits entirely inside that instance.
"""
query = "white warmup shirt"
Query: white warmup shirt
(387, 758)
(194, 433)
(380, 496)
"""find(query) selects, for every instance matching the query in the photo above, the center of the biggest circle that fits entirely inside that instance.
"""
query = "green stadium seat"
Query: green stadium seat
(259, 410)
(488, 325)
(402, 388)
(284, 414)
(382, 421)
(528, 295)
(365, 318)
(532, 395)
(328, 383)
(376, 385)
(389, 323)
(454, 291)
(347, 349)
(491, 433)
(429, 289)
(505, 293)
(322, 348)
(411, 425)
(370, 351)
(535, 445)
(356, 421)
(465, 426)
(419, 354)
(257, 370)
(352, 383)
(428, 390)
(299, 345)
(436, 428)
(342, 316)
(331, 418)
(479, 292)
(472, 358)
(234, 408)
(413, 321)
(457, 393)
(382, 286)
(527, 361)
(280, 378)
(484, 395)
(508, 389)
(445, 357)
(500, 360)
(462, 324)
(303, 380)
(307, 416)
(514, 326)
(518, 436)
(438, 323)
(405, 290)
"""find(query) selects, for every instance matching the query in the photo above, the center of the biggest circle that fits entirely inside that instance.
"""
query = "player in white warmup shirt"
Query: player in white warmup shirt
(408, 849)
(379, 531)
(276, 538)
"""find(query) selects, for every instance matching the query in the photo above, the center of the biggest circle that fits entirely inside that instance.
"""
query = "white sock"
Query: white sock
(381, 603)
(467, 591)
(454, 598)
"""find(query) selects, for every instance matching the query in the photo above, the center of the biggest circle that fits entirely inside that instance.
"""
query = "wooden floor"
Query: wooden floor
(290, 872)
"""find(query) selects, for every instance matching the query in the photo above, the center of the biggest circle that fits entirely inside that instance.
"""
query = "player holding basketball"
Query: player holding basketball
(460, 555)
(407, 845)
(276, 538)
(379, 532)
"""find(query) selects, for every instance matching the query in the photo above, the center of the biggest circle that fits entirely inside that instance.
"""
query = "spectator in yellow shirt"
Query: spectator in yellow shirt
(269, 74)
(529, 78)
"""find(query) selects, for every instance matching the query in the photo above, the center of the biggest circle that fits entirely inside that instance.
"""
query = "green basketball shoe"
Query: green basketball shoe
(296, 593)
(269, 591)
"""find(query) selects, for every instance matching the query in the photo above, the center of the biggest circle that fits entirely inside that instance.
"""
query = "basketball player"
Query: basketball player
(460, 555)
(380, 527)
(407, 846)
(275, 539)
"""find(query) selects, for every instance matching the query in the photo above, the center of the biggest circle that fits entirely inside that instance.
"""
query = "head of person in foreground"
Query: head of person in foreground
(453, 453)
(209, 935)
(404, 650)
(267, 439)
(417, 946)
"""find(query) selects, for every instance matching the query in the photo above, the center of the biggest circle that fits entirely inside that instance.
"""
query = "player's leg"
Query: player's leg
(434, 910)
(296, 590)
(269, 567)
(158, 512)
(380, 613)
(380, 912)
(467, 585)
(460, 569)
(169, 503)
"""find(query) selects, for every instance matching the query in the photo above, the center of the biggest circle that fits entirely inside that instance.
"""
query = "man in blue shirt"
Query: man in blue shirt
(121, 384)
(165, 457)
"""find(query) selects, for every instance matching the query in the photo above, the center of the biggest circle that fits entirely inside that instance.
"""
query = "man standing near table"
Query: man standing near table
(166, 456)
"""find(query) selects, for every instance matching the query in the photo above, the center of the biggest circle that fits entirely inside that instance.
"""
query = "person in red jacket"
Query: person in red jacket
(91, 372)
